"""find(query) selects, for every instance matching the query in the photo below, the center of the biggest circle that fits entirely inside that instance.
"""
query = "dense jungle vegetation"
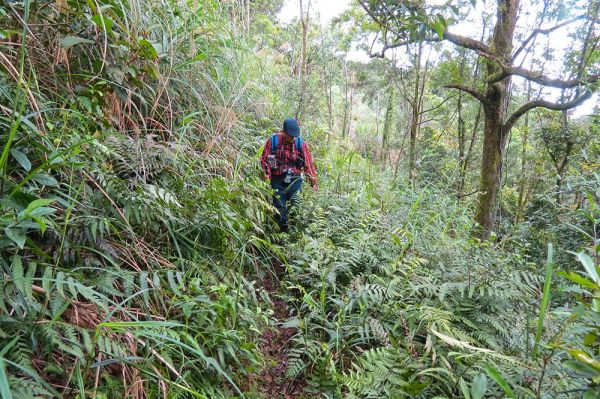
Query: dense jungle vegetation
(452, 250)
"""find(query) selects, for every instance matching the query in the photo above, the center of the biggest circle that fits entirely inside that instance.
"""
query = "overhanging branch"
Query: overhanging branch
(480, 97)
(542, 79)
(544, 104)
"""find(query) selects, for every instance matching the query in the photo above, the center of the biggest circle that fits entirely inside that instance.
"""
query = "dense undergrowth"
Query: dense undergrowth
(137, 231)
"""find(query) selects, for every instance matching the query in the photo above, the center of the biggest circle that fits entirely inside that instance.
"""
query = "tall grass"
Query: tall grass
(126, 242)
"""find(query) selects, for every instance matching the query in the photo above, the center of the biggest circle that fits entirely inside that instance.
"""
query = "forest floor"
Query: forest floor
(272, 381)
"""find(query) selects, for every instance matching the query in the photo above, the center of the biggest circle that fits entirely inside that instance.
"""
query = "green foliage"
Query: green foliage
(137, 237)
(127, 231)
(386, 307)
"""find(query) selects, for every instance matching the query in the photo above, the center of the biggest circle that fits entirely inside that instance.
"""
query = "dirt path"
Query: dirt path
(272, 382)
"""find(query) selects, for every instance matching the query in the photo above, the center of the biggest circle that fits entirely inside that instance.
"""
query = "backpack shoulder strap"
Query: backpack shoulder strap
(274, 143)
(299, 144)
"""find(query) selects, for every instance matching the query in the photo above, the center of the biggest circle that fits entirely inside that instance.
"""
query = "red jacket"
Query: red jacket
(286, 155)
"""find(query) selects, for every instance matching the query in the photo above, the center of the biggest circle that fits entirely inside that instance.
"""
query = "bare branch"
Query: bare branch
(480, 97)
(540, 78)
(437, 106)
(546, 31)
(461, 41)
(403, 43)
(543, 104)
(469, 43)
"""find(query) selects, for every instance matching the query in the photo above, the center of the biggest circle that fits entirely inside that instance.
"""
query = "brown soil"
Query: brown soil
(271, 382)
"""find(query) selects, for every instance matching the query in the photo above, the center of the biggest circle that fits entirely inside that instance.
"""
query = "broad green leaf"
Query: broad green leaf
(581, 368)
(439, 28)
(479, 386)
(585, 358)
(41, 223)
(17, 235)
(589, 339)
(87, 104)
(292, 323)
(70, 41)
(464, 388)
(42, 211)
(149, 48)
(45, 179)
(576, 278)
(588, 264)
(496, 376)
(103, 22)
(42, 202)
(21, 159)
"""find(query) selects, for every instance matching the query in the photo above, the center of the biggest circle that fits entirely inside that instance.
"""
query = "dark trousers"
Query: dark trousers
(286, 196)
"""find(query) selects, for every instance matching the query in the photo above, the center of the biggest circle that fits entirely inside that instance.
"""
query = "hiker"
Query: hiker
(284, 159)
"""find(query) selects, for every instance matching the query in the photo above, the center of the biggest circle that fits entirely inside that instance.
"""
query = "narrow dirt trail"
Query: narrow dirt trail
(272, 382)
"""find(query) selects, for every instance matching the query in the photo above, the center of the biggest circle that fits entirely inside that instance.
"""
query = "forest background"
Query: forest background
(452, 250)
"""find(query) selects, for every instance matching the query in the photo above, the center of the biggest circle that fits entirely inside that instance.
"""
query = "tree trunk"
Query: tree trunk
(415, 119)
(387, 125)
(412, 149)
(495, 109)
(469, 152)
(304, 20)
(327, 83)
(491, 166)
(461, 145)
(350, 104)
(523, 179)
(562, 165)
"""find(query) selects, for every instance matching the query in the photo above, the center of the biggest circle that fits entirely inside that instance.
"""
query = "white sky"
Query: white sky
(326, 10)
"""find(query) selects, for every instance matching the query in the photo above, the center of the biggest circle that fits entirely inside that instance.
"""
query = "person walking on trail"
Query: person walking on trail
(284, 159)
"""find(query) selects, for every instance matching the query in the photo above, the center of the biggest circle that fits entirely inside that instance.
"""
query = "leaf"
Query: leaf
(148, 48)
(17, 235)
(45, 179)
(293, 322)
(479, 386)
(576, 278)
(41, 223)
(87, 104)
(588, 264)
(42, 211)
(18, 273)
(439, 28)
(70, 41)
(42, 202)
(4, 387)
(464, 388)
(103, 22)
(496, 376)
(21, 159)
(580, 368)
(585, 358)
